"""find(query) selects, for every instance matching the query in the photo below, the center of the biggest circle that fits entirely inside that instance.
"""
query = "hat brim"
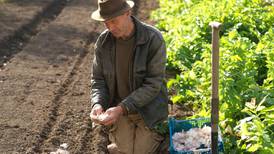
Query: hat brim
(97, 16)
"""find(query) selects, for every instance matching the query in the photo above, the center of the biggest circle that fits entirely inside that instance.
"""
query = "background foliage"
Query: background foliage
(246, 65)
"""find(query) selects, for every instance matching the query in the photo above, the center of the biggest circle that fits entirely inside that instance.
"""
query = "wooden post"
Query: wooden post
(215, 90)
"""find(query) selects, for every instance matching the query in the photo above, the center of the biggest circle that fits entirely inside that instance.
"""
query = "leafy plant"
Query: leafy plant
(256, 131)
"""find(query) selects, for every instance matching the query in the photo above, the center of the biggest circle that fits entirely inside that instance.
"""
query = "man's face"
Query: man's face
(117, 26)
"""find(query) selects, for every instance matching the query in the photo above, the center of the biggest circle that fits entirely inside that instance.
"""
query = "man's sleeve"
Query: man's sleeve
(99, 93)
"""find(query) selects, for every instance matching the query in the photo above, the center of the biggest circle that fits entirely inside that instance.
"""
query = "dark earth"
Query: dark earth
(46, 48)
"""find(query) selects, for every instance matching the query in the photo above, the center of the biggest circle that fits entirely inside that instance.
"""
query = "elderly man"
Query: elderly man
(128, 90)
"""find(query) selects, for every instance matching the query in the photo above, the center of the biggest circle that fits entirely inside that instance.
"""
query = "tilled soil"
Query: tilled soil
(46, 48)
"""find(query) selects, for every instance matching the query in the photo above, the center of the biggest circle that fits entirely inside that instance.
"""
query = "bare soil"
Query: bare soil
(46, 48)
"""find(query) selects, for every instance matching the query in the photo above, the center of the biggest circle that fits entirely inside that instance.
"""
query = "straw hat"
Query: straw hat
(108, 9)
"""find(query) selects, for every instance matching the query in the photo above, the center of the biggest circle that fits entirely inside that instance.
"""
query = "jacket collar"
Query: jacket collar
(141, 34)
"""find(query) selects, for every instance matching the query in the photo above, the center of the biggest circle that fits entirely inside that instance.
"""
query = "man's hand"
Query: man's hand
(112, 115)
(96, 110)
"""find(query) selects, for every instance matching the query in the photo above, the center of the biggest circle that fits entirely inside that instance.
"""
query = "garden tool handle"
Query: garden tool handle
(215, 83)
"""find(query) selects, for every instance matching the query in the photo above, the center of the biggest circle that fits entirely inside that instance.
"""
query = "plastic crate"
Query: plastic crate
(179, 125)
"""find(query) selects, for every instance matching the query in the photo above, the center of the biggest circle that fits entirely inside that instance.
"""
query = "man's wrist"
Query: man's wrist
(96, 105)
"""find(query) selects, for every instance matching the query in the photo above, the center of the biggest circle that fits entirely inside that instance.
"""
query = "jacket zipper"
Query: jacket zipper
(131, 71)
(113, 57)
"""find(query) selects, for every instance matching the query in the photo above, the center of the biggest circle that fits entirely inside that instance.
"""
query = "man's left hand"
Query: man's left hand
(113, 115)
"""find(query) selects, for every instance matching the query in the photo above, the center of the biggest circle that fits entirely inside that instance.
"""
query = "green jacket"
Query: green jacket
(147, 74)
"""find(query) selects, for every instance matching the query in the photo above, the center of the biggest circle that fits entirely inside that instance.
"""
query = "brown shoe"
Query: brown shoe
(113, 149)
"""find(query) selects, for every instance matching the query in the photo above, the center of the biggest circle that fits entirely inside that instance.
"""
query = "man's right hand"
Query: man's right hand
(96, 110)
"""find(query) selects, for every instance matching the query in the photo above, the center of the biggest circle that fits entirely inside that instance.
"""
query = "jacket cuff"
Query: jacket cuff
(125, 110)
(129, 104)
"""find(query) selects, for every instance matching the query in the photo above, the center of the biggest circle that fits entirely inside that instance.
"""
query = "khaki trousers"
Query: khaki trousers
(131, 136)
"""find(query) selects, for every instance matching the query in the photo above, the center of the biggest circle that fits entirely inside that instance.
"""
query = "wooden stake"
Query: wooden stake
(215, 90)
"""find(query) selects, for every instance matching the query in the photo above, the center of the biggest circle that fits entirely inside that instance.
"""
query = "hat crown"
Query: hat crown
(108, 7)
